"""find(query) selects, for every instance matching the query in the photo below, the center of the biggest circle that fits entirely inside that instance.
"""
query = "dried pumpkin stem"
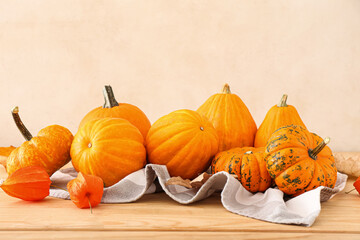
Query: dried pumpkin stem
(283, 100)
(109, 97)
(350, 191)
(24, 131)
(313, 153)
(226, 89)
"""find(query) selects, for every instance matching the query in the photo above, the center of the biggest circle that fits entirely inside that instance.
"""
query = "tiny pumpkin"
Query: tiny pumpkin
(299, 161)
(4, 154)
(30, 183)
(50, 149)
(184, 141)
(247, 164)
(113, 109)
(86, 190)
(278, 116)
(231, 118)
(110, 148)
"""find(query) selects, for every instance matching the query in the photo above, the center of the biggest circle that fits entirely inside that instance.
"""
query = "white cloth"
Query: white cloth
(268, 206)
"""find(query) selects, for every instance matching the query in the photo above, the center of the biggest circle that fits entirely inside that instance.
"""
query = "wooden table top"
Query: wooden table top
(158, 216)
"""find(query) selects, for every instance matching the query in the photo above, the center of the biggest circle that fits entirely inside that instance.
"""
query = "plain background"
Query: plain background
(164, 55)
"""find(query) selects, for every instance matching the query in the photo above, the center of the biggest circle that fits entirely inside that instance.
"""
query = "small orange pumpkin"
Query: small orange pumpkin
(29, 183)
(4, 154)
(184, 141)
(247, 164)
(299, 161)
(231, 118)
(50, 149)
(110, 148)
(278, 116)
(113, 109)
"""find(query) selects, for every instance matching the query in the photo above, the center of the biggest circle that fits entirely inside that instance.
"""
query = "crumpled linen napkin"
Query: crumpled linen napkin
(268, 206)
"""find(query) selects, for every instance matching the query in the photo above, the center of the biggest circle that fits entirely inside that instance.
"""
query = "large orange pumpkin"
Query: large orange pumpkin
(299, 161)
(231, 118)
(278, 116)
(247, 164)
(110, 148)
(50, 149)
(113, 109)
(184, 141)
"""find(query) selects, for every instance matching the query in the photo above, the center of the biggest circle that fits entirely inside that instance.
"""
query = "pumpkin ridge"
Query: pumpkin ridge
(186, 157)
(176, 134)
(154, 131)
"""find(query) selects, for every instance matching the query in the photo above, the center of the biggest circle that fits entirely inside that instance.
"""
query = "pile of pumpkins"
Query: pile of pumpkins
(117, 139)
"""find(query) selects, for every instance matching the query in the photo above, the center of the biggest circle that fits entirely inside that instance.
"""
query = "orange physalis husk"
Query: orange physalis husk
(4, 154)
(28, 183)
(357, 184)
(86, 190)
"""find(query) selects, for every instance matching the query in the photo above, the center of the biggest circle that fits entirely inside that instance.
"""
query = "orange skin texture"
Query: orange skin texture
(30, 183)
(127, 111)
(84, 189)
(232, 120)
(50, 149)
(249, 168)
(276, 118)
(288, 161)
(177, 141)
(116, 149)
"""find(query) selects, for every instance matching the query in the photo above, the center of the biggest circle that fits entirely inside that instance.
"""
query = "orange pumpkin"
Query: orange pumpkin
(50, 149)
(30, 183)
(247, 164)
(113, 109)
(278, 116)
(4, 154)
(231, 118)
(299, 161)
(110, 148)
(184, 141)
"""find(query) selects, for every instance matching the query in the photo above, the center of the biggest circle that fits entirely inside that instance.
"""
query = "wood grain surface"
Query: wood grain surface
(156, 215)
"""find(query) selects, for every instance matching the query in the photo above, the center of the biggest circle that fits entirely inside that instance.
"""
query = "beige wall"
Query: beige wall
(163, 55)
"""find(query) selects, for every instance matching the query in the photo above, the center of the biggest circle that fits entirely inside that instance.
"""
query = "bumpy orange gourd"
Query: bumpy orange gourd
(30, 183)
(299, 161)
(231, 118)
(247, 164)
(50, 149)
(110, 148)
(113, 109)
(184, 141)
(278, 116)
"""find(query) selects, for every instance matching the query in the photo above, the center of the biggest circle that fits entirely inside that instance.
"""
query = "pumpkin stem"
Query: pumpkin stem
(283, 100)
(89, 204)
(249, 152)
(24, 131)
(313, 153)
(109, 97)
(226, 89)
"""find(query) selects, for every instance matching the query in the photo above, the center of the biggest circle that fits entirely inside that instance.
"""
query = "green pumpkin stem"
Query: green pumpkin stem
(24, 131)
(283, 100)
(109, 97)
(226, 89)
(313, 153)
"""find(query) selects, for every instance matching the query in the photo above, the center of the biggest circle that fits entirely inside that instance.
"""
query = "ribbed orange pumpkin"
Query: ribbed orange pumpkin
(50, 149)
(299, 161)
(113, 109)
(278, 116)
(184, 141)
(247, 164)
(231, 118)
(110, 148)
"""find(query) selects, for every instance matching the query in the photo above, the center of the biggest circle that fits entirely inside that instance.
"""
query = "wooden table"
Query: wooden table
(158, 216)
